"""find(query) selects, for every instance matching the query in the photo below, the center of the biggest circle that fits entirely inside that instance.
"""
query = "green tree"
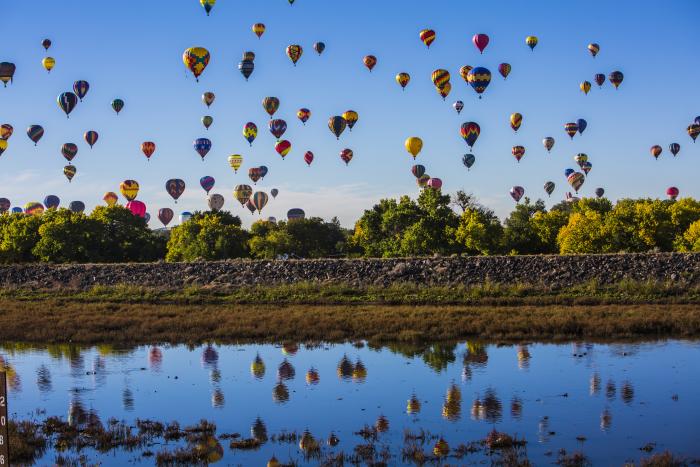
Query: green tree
(19, 234)
(546, 225)
(268, 241)
(479, 231)
(126, 237)
(640, 225)
(690, 240)
(584, 233)
(684, 212)
(68, 237)
(519, 235)
(210, 235)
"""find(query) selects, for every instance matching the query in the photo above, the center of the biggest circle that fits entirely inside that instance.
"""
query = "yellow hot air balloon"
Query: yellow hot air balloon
(48, 63)
(129, 189)
(110, 198)
(403, 79)
(351, 118)
(414, 145)
(196, 60)
(3, 146)
(258, 29)
(207, 5)
(531, 42)
(235, 161)
(585, 87)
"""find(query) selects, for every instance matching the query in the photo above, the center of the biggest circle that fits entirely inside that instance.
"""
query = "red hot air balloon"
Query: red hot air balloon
(516, 193)
(480, 41)
(370, 61)
(672, 193)
(309, 157)
(427, 36)
(137, 208)
(148, 148)
(346, 155)
(435, 183)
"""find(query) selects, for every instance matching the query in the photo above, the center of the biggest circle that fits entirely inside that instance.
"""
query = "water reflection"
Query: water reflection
(452, 406)
(523, 357)
(43, 379)
(286, 371)
(413, 405)
(14, 383)
(610, 389)
(257, 368)
(594, 385)
(155, 359)
(516, 408)
(312, 376)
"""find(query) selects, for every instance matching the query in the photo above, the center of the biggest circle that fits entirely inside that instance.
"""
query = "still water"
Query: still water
(605, 400)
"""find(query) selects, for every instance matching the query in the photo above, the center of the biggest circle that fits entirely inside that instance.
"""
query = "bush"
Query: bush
(519, 234)
(303, 238)
(479, 232)
(18, 235)
(210, 235)
(68, 237)
(126, 237)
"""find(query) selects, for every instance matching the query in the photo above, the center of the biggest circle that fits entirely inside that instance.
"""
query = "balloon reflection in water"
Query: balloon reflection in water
(257, 368)
(258, 430)
(280, 393)
(594, 385)
(516, 408)
(286, 371)
(452, 406)
(523, 357)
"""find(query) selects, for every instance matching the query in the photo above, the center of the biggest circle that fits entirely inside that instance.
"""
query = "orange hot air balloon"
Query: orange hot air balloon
(110, 198)
(370, 61)
(427, 36)
(259, 29)
(148, 148)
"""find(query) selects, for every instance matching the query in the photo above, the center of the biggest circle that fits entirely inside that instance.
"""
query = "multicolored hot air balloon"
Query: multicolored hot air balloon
(175, 188)
(207, 183)
(110, 198)
(242, 193)
(303, 114)
(277, 127)
(531, 42)
(549, 188)
(48, 63)
(351, 118)
(67, 102)
(259, 199)
(81, 88)
(656, 151)
(504, 69)
(403, 79)
(69, 151)
(34, 208)
(516, 119)
(480, 41)
(427, 36)
(518, 152)
(370, 61)
(117, 105)
(413, 145)
(616, 78)
(444, 91)
(258, 29)
(576, 180)
(470, 132)
(694, 130)
(6, 131)
(202, 146)
(468, 160)
(148, 148)
(69, 171)
(3, 146)
(581, 158)
(674, 148)
(440, 77)
(585, 87)
(458, 106)
(586, 167)
(208, 98)
(295, 214)
(516, 193)
(319, 47)
(548, 143)
(283, 147)
(672, 193)
(91, 137)
(207, 5)
(165, 215)
(571, 129)
(599, 79)
(308, 157)
(479, 79)
(35, 132)
(346, 155)
(7, 72)
(418, 170)
(207, 120)
(215, 202)
(250, 132)
(464, 72)
(294, 53)
(337, 125)
(129, 189)
(196, 60)
(422, 181)
(271, 104)
(593, 48)
(235, 161)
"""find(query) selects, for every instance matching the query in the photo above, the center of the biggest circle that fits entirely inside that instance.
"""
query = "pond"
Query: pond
(399, 404)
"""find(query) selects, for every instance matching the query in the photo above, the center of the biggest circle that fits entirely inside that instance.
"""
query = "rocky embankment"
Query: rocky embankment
(553, 271)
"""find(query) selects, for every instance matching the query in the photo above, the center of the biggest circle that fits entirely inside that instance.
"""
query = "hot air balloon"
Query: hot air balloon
(568, 172)
(207, 120)
(76, 206)
(672, 193)
(571, 129)
(413, 145)
(215, 202)
(52, 202)
(117, 105)
(254, 174)
(516, 193)
(6, 131)
(249, 55)
(586, 167)
(294, 53)
(251, 207)
(593, 48)
(418, 170)
(470, 131)
(479, 79)
(46, 44)
(175, 188)
(69, 151)
(283, 147)
(585, 87)
(444, 91)
(207, 183)
(674, 148)
(7, 72)
(697, 120)
(67, 102)
(480, 41)
(34, 208)
(295, 214)
(582, 125)
(434, 183)
(308, 157)
(48, 63)
(616, 78)
(464, 72)
(656, 151)
(518, 152)
(148, 148)
(531, 42)
(516, 120)
(403, 79)
(35, 132)
(250, 131)
(599, 192)
(277, 127)
(468, 160)
(694, 130)
(346, 155)
(196, 60)
(129, 189)
(259, 199)
(422, 181)
(235, 161)
(337, 125)
(207, 5)
(351, 118)
(137, 208)
(263, 171)
(274, 192)
(185, 216)
(599, 79)
(258, 29)
(576, 180)
(110, 198)
(427, 36)
(4, 205)
(242, 193)
(504, 69)
(202, 146)
(548, 143)
(549, 188)
(580, 159)
(81, 88)
(208, 98)
(69, 171)
(440, 77)
(246, 67)
(303, 114)
(319, 47)
(370, 61)
(16, 210)
(458, 106)
(271, 104)
(3, 146)
(91, 137)
(165, 215)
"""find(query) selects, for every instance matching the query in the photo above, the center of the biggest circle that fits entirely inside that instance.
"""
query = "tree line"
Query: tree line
(434, 223)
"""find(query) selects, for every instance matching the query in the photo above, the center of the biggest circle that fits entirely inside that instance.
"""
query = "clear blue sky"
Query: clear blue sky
(132, 50)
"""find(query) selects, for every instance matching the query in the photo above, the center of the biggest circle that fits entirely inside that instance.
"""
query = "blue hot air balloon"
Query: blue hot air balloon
(582, 124)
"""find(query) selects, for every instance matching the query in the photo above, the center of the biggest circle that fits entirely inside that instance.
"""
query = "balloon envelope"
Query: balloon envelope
(76, 206)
